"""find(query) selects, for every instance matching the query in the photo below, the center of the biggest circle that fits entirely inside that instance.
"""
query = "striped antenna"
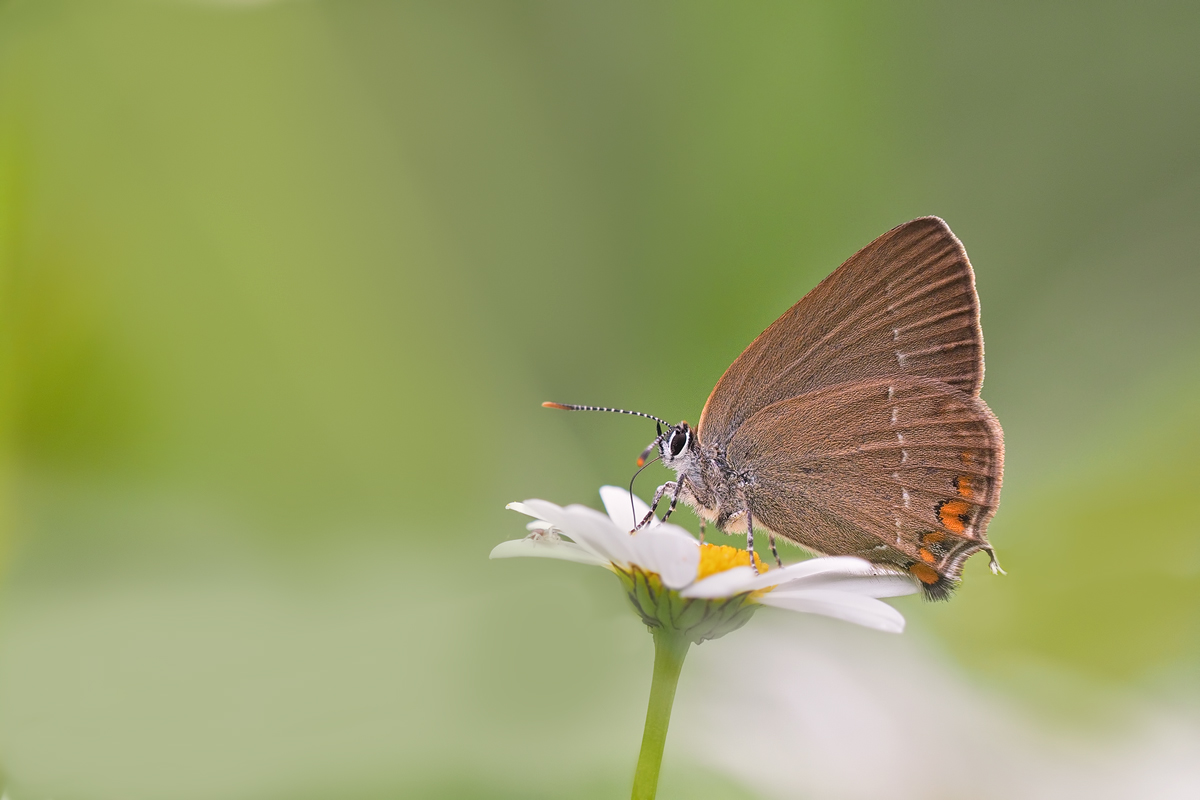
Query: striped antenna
(566, 407)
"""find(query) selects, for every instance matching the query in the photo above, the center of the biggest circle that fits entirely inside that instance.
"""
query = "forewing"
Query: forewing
(903, 305)
(905, 471)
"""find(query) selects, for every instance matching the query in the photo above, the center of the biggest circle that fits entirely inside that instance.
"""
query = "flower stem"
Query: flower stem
(670, 648)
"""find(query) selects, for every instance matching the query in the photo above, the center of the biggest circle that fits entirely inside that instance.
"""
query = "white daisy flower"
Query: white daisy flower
(702, 591)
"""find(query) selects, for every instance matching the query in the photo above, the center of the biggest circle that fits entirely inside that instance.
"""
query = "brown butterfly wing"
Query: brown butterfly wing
(903, 471)
(903, 305)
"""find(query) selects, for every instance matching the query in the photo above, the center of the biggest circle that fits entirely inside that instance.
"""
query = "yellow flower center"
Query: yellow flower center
(716, 558)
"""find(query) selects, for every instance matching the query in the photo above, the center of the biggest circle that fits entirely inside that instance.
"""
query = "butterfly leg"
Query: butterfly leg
(669, 486)
(701, 530)
(750, 539)
(774, 552)
(674, 499)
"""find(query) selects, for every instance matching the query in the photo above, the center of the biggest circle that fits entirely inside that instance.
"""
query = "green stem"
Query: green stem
(670, 648)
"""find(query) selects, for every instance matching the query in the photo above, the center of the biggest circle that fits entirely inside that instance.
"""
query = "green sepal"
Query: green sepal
(693, 618)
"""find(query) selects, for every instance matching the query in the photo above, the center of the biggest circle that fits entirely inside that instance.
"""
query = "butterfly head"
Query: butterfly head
(677, 445)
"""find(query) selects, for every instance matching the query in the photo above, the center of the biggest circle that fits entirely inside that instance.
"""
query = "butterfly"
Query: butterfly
(853, 424)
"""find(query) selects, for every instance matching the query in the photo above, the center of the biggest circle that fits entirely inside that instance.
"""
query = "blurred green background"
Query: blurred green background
(282, 286)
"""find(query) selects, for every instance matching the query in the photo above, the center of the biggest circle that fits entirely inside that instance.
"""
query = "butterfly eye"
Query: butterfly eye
(678, 442)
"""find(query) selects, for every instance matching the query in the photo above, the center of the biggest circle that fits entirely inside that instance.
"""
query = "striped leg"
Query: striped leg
(774, 552)
(701, 530)
(658, 496)
(674, 499)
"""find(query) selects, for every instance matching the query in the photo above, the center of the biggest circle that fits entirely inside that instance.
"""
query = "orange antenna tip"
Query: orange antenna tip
(566, 407)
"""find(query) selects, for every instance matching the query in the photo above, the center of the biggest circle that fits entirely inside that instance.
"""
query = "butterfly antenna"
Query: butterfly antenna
(566, 407)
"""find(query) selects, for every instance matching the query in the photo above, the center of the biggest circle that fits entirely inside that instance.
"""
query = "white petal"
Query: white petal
(582, 533)
(522, 508)
(617, 504)
(539, 509)
(723, 584)
(672, 529)
(535, 548)
(597, 533)
(668, 550)
(854, 608)
(883, 584)
(846, 566)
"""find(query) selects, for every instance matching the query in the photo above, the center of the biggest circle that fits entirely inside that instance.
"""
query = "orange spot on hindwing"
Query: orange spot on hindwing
(963, 485)
(924, 573)
(955, 515)
(933, 546)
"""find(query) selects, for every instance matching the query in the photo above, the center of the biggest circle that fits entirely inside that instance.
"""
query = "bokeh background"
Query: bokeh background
(282, 286)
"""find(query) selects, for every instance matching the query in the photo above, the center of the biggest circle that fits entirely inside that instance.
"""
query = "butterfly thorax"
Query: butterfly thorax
(705, 479)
